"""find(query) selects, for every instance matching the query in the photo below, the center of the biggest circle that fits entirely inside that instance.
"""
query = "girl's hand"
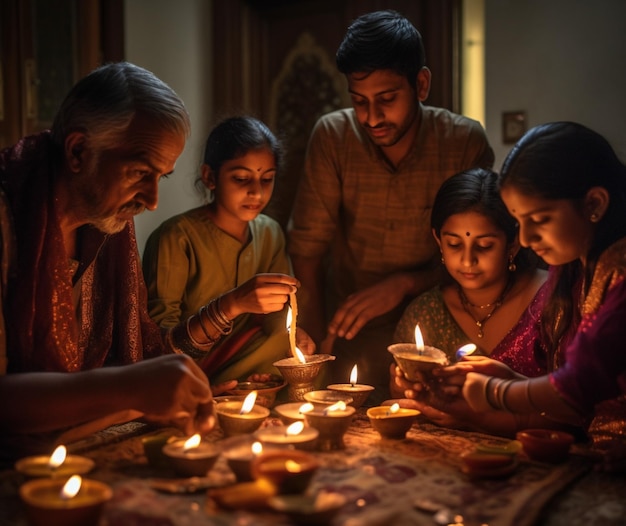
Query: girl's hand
(304, 342)
(261, 294)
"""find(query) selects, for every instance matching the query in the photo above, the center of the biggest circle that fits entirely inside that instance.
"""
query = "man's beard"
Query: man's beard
(113, 224)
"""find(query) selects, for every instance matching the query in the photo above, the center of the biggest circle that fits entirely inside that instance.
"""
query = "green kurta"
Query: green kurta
(188, 261)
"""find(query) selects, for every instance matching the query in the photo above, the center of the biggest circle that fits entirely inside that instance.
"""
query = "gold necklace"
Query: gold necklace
(465, 303)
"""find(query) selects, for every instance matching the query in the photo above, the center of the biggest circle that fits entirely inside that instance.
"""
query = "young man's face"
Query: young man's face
(385, 104)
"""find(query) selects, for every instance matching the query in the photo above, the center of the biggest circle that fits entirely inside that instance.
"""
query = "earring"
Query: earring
(442, 260)
(512, 265)
(594, 218)
(210, 195)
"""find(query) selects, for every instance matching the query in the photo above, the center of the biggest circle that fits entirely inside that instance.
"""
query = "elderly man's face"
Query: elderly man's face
(122, 182)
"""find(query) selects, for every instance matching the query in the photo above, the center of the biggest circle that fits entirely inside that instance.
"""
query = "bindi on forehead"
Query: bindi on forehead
(467, 234)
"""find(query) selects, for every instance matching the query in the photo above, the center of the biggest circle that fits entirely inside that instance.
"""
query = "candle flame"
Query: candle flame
(292, 466)
(394, 408)
(300, 356)
(192, 442)
(337, 406)
(305, 408)
(294, 429)
(71, 487)
(353, 376)
(465, 350)
(419, 340)
(58, 457)
(248, 403)
(257, 448)
(289, 318)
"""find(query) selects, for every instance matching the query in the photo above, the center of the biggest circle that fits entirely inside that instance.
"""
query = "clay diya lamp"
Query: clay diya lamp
(293, 411)
(332, 422)
(392, 421)
(418, 360)
(546, 445)
(58, 464)
(300, 372)
(192, 457)
(323, 398)
(358, 392)
(241, 418)
(295, 435)
(289, 471)
(266, 391)
(64, 502)
(239, 452)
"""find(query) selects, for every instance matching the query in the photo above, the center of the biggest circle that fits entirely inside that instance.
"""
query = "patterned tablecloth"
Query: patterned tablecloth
(386, 482)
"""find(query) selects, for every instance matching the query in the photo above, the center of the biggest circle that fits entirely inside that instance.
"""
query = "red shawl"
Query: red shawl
(44, 332)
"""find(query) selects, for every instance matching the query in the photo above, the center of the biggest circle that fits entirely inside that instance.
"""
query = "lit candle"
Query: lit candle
(392, 421)
(418, 360)
(292, 314)
(289, 471)
(465, 350)
(58, 464)
(192, 457)
(293, 411)
(69, 502)
(240, 451)
(238, 419)
(358, 392)
(332, 422)
(300, 371)
(294, 435)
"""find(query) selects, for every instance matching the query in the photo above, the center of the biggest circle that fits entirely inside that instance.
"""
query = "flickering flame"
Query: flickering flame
(305, 408)
(353, 376)
(465, 350)
(257, 448)
(248, 403)
(294, 429)
(292, 466)
(337, 406)
(58, 457)
(394, 408)
(300, 356)
(419, 340)
(71, 487)
(192, 442)
(289, 318)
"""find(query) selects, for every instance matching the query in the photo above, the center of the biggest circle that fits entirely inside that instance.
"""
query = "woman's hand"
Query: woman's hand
(304, 342)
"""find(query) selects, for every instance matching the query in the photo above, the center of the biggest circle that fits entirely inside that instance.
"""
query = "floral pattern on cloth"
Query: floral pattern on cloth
(383, 481)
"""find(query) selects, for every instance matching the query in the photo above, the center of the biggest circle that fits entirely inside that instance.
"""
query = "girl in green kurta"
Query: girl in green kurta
(228, 251)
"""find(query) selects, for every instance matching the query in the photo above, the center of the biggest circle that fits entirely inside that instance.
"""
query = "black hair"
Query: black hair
(382, 40)
(563, 160)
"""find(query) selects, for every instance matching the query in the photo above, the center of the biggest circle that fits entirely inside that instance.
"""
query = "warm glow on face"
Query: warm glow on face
(353, 375)
(394, 408)
(257, 448)
(71, 487)
(419, 340)
(248, 403)
(58, 457)
(305, 408)
(192, 442)
(337, 406)
(295, 429)
(292, 466)
(300, 356)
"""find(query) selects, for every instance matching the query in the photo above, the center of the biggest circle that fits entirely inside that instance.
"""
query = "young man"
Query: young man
(363, 206)
(73, 297)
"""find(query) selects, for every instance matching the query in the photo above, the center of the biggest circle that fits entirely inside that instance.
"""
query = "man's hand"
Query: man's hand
(361, 307)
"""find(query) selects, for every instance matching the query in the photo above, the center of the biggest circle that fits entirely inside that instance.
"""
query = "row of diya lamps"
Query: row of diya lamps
(274, 459)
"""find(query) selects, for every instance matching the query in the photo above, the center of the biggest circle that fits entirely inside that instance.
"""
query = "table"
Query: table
(384, 480)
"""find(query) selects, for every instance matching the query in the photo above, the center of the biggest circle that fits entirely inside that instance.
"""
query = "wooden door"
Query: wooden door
(275, 59)
(45, 47)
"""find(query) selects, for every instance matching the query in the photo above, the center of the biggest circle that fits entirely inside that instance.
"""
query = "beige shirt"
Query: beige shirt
(372, 218)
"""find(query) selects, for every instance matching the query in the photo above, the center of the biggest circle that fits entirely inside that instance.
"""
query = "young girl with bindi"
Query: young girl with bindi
(226, 261)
